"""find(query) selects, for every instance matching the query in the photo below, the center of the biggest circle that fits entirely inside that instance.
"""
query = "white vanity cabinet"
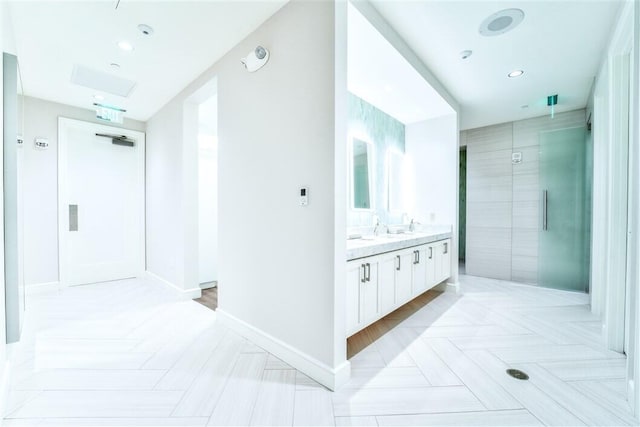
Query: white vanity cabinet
(419, 270)
(403, 275)
(355, 272)
(387, 264)
(363, 299)
(442, 260)
(431, 264)
(379, 284)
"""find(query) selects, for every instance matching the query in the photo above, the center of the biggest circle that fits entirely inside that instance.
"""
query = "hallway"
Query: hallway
(129, 353)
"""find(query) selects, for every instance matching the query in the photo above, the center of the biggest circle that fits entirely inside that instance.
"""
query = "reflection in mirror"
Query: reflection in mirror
(396, 202)
(361, 174)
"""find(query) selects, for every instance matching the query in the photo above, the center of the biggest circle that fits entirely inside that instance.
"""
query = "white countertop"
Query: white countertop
(368, 246)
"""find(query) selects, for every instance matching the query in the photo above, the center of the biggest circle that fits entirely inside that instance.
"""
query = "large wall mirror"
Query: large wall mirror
(361, 174)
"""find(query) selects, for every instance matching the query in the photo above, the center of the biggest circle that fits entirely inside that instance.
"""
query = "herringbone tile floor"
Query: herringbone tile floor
(128, 353)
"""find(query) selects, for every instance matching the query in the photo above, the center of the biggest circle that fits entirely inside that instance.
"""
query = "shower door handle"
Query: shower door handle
(545, 204)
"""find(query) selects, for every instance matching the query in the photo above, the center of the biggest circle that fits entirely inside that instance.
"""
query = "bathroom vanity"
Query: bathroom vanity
(387, 271)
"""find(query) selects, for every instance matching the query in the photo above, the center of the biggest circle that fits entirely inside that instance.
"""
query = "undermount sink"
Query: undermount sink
(390, 236)
(384, 236)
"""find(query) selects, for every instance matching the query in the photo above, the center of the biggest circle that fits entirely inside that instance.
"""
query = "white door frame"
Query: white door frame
(633, 274)
(614, 318)
(63, 199)
(619, 108)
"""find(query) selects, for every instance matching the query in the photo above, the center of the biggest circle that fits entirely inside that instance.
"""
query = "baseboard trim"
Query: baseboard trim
(448, 287)
(332, 378)
(4, 386)
(37, 288)
(209, 285)
(182, 293)
(631, 397)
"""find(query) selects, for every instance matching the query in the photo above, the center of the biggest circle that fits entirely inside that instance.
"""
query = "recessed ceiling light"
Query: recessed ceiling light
(465, 54)
(501, 22)
(515, 73)
(98, 97)
(125, 45)
(145, 29)
(115, 66)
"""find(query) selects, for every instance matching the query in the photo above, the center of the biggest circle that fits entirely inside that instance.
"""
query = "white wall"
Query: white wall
(276, 134)
(616, 194)
(7, 45)
(3, 336)
(276, 257)
(164, 192)
(6, 30)
(610, 124)
(432, 147)
(40, 185)
(633, 367)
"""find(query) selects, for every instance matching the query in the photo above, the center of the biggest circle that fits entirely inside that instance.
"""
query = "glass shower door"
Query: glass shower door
(564, 236)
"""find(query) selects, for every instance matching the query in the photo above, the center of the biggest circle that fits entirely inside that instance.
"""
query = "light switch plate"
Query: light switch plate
(516, 158)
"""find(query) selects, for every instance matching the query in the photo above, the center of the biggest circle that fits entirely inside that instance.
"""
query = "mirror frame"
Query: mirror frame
(370, 166)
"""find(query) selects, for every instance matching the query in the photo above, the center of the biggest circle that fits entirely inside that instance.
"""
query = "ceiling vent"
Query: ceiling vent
(501, 22)
(104, 82)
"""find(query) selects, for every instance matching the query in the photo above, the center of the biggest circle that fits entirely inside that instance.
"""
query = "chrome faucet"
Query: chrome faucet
(412, 225)
(376, 229)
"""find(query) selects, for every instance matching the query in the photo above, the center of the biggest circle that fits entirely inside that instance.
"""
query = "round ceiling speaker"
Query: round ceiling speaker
(501, 22)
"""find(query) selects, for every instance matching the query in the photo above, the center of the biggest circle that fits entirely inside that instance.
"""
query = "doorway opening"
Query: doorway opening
(208, 201)
(462, 209)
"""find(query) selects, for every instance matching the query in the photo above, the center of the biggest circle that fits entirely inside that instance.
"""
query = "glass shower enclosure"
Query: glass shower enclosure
(565, 164)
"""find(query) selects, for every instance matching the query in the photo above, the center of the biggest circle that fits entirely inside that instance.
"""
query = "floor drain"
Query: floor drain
(517, 374)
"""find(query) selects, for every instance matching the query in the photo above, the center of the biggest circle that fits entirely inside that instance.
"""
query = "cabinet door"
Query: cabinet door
(419, 273)
(438, 249)
(387, 282)
(431, 265)
(403, 271)
(355, 275)
(369, 306)
(445, 261)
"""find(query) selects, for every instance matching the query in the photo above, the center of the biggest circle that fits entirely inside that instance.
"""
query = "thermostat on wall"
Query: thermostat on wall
(41, 143)
(516, 158)
(304, 196)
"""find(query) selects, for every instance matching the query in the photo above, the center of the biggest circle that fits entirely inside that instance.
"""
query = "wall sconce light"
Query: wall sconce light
(255, 59)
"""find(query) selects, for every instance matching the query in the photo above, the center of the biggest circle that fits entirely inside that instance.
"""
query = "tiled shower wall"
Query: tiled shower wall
(503, 199)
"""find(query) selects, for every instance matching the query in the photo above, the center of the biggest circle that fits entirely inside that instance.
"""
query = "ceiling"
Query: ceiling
(559, 45)
(189, 36)
(377, 73)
